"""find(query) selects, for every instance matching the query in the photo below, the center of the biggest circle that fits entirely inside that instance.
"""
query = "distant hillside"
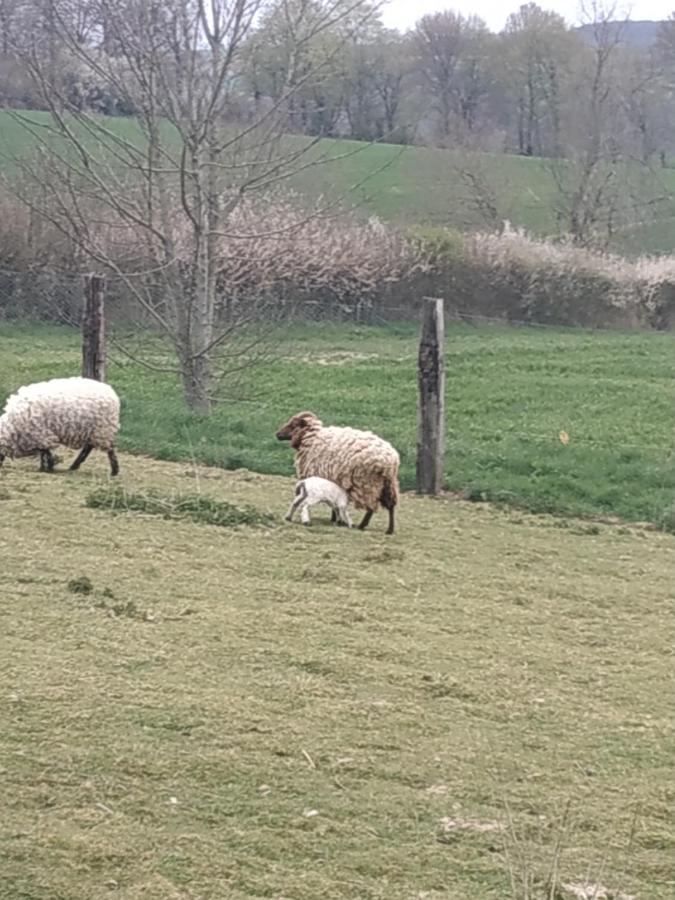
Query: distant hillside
(416, 185)
(640, 35)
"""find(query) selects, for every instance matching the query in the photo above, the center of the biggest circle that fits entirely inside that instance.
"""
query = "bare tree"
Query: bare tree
(663, 62)
(167, 191)
(483, 198)
(391, 69)
(601, 186)
(586, 180)
(449, 63)
(8, 16)
(538, 48)
(644, 100)
(315, 104)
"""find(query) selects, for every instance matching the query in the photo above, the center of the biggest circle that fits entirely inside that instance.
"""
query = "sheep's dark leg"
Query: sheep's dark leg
(114, 464)
(84, 453)
(390, 530)
(365, 521)
(46, 461)
(2, 459)
(333, 516)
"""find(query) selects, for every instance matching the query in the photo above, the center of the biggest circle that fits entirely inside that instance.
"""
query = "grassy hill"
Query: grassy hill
(192, 711)
(421, 186)
(510, 393)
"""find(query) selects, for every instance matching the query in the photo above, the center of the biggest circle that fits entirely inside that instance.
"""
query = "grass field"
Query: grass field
(476, 709)
(416, 185)
(510, 393)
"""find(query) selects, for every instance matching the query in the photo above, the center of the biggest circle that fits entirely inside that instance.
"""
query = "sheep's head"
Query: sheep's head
(295, 429)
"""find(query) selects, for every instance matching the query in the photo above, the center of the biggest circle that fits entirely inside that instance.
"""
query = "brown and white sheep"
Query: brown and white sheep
(363, 464)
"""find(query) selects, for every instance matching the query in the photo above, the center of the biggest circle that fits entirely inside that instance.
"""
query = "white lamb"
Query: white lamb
(74, 412)
(310, 491)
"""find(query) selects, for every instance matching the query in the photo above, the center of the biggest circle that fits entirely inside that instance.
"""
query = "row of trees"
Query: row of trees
(530, 89)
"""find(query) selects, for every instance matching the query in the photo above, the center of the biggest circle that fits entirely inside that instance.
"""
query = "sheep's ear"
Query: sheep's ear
(302, 422)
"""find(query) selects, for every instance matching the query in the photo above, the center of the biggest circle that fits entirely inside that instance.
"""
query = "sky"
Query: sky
(403, 14)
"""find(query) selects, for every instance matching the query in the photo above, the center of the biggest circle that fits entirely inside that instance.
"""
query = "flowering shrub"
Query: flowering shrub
(513, 276)
(275, 253)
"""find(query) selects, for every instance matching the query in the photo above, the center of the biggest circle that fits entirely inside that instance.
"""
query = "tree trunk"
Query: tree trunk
(197, 385)
(445, 115)
(531, 118)
(521, 126)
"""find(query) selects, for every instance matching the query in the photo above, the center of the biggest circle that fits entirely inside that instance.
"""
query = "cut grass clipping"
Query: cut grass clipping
(206, 510)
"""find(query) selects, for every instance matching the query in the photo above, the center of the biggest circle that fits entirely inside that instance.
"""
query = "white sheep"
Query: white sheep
(310, 491)
(79, 413)
(363, 464)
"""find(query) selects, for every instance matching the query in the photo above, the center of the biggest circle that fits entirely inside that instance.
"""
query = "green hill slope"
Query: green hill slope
(416, 185)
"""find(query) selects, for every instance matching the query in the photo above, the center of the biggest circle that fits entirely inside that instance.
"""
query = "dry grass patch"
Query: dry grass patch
(280, 714)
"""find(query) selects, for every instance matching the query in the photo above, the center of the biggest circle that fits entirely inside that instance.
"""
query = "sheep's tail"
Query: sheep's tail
(389, 494)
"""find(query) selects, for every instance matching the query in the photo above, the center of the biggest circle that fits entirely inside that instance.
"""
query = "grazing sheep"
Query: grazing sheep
(74, 412)
(363, 464)
(310, 491)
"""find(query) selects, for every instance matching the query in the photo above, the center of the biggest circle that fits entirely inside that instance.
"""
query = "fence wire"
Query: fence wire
(53, 295)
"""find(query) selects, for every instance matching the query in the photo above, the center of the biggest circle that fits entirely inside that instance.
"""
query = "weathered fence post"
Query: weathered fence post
(431, 408)
(93, 328)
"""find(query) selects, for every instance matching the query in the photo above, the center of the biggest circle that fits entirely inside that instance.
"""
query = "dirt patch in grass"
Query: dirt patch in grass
(336, 358)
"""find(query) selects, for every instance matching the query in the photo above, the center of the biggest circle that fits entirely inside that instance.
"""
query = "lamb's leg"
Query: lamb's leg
(83, 454)
(294, 506)
(304, 513)
(346, 518)
(114, 464)
(336, 516)
(390, 530)
(365, 521)
(300, 496)
(46, 461)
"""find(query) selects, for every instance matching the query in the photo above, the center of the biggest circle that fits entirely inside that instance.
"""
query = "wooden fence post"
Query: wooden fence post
(93, 328)
(431, 408)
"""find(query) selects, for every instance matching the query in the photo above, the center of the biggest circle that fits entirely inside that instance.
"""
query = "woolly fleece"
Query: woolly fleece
(64, 411)
(362, 463)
